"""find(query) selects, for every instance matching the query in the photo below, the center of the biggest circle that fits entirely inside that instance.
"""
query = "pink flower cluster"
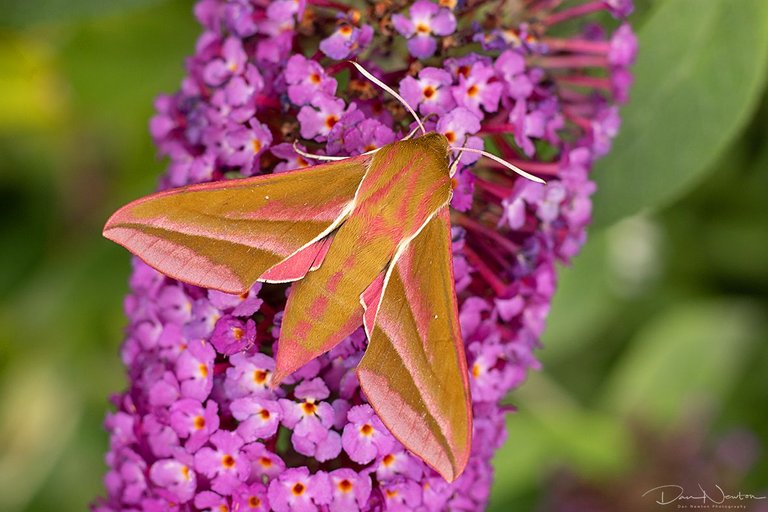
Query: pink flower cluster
(199, 427)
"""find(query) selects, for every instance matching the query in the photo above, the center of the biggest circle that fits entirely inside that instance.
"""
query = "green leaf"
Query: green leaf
(701, 68)
(686, 359)
(551, 430)
(35, 11)
(583, 304)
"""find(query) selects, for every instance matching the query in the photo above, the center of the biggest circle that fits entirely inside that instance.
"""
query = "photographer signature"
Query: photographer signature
(667, 494)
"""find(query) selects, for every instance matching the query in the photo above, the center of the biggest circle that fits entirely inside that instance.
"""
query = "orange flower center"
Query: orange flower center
(185, 472)
(298, 489)
(331, 120)
(473, 90)
(265, 462)
(345, 30)
(451, 136)
(264, 414)
(366, 429)
(429, 91)
(422, 28)
(254, 502)
(314, 78)
(260, 376)
(390, 493)
(476, 370)
(256, 145)
(236, 331)
(345, 485)
(227, 461)
(203, 370)
(463, 70)
(388, 459)
(199, 422)
(309, 408)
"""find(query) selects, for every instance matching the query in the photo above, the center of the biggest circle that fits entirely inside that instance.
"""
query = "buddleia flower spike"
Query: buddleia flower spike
(246, 394)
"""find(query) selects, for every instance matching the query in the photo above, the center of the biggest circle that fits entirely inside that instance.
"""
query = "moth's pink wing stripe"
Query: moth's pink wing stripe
(414, 372)
(247, 226)
(325, 244)
(156, 251)
(294, 267)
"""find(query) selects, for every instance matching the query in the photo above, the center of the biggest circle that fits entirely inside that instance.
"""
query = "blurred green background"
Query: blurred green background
(656, 356)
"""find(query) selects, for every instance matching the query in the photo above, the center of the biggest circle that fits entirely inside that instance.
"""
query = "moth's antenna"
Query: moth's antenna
(413, 132)
(410, 134)
(391, 91)
(502, 162)
(328, 158)
(455, 164)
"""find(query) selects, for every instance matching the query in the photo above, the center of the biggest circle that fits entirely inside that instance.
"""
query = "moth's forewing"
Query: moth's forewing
(406, 183)
(226, 235)
(414, 372)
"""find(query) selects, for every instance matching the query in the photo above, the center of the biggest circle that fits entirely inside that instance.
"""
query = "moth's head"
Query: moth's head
(440, 144)
(436, 142)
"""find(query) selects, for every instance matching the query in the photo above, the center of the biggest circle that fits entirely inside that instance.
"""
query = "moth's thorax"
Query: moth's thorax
(432, 145)
(405, 185)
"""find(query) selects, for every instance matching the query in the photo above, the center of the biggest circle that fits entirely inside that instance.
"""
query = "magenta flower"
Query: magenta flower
(194, 369)
(311, 421)
(231, 335)
(425, 19)
(258, 417)
(402, 495)
(174, 478)
(512, 69)
(190, 420)
(249, 375)
(306, 78)
(295, 490)
(251, 498)
(316, 123)
(231, 63)
(236, 305)
(200, 426)
(350, 490)
(347, 40)
(290, 159)
(365, 437)
(476, 88)
(225, 464)
(430, 92)
(354, 134)
(265, 463)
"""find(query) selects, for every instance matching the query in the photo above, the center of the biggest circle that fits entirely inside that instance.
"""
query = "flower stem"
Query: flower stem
(473, 225)
(578, 45)
(485, 272)
(575, 12)
(572, 61)
(598, 82)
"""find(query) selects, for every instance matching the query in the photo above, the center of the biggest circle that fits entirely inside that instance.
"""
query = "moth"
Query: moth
(365, 240)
